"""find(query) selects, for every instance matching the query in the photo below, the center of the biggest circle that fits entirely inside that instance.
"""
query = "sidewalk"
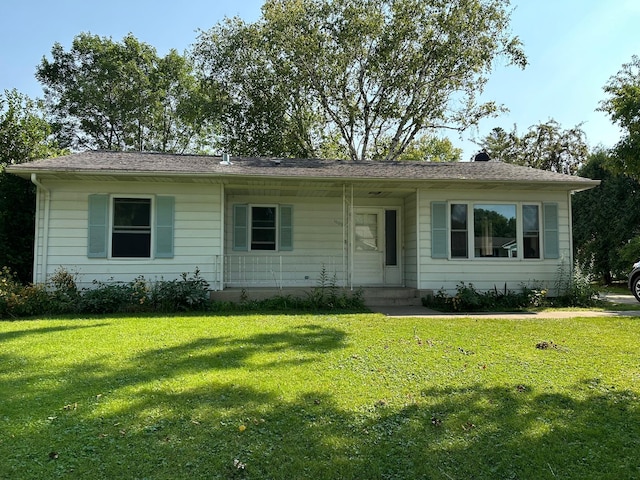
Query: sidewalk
(423, 312)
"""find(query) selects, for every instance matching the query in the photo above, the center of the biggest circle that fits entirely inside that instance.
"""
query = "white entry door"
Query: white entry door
(376, 243)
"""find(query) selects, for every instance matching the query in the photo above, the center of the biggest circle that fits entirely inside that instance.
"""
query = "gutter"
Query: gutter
(45, 234)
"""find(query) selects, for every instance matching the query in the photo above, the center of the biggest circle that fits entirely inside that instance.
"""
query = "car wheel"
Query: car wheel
(635, 287)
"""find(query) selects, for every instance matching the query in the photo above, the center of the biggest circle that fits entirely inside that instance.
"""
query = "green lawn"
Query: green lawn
(320, 397)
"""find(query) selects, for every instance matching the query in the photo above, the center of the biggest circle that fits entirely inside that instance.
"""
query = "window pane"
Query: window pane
(131, 233)
(131, 212)
(131, 244)
(263, 228)
(495, 231)
(367, 232)
(390, 238)
(459, 233)
(531, 231)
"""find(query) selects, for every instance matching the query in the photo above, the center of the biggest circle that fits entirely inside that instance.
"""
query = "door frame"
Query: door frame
(387, 275)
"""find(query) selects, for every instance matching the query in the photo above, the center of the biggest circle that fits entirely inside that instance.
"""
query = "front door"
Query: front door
(376, 247)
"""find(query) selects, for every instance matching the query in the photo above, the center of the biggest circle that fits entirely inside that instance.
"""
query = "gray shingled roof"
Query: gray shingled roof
(139, 163)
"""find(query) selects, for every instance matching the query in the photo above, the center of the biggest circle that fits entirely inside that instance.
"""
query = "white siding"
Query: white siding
(489, 273)
(317, 242)
(196, 235)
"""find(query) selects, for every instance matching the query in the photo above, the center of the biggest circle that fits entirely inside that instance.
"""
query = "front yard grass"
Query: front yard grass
(320, 396)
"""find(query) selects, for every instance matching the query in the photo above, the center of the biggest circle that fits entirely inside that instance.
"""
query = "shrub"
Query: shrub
(106, 298)
(468, 299)
(189, 293)
(576, 290)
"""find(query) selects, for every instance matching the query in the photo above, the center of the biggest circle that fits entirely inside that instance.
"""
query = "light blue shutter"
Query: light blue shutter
(286, 227)
(551, 234)
(165, 208)
(439, 230)
(98, 226)
(241, 228)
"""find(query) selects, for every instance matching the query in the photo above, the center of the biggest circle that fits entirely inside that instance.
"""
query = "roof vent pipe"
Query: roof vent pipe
(225, 159)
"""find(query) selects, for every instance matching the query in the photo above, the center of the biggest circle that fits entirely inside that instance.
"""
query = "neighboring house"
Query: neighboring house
(271, 222)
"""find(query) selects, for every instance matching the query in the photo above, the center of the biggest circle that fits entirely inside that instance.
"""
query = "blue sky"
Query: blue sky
(573, 46)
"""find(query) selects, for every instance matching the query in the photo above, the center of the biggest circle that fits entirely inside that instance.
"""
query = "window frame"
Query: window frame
(471, 205)
(276, 228)
(112, 226)
(242, 226)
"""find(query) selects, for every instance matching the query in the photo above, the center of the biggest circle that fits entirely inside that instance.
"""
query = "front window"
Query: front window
(131, 233)
(494, 231)
(263, 228)
(491, 230)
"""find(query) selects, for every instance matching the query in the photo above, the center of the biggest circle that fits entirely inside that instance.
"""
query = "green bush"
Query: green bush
(189, 293)
(107, 298)
(469, 299)
(575, 290)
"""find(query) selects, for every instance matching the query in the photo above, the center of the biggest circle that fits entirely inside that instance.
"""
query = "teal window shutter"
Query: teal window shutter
(551, 234)
(286, 227)
(439, 230)
(165, 212)
(241, 228)
(98, 226)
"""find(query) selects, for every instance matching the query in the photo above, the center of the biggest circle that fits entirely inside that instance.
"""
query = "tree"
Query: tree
(24, 135)
(262, 109)
(605, 220)
(623, 107)
(545, 146)
(426, 149)
(123, 96)
(364, 70)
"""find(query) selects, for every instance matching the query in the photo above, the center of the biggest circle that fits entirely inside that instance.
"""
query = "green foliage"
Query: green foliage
(545, 146)
(375, 74)
(24, 135)
(623, 107)
(571, 289)
(605, 221)
(262, 110)
(123, 96)
(469, 299)
(187, 294)
(61, 295)
(326, 296)
(108, 298)
(427, 149)
(574, 289)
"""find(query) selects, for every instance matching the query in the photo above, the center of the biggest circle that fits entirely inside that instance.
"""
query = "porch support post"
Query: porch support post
(219, 259)
(345, 233)
(351, 238)
(418, 243)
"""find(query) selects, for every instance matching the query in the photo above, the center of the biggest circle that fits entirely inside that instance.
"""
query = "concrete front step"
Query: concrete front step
(384, 296)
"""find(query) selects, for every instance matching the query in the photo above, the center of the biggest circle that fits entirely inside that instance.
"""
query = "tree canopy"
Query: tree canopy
(24, 135)
(355, 77)
(546, 146)
(123, 96)
(605, 219)
(623, 107)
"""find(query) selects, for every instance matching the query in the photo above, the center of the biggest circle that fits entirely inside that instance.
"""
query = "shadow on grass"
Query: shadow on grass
(229, 430)
(11, 335)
